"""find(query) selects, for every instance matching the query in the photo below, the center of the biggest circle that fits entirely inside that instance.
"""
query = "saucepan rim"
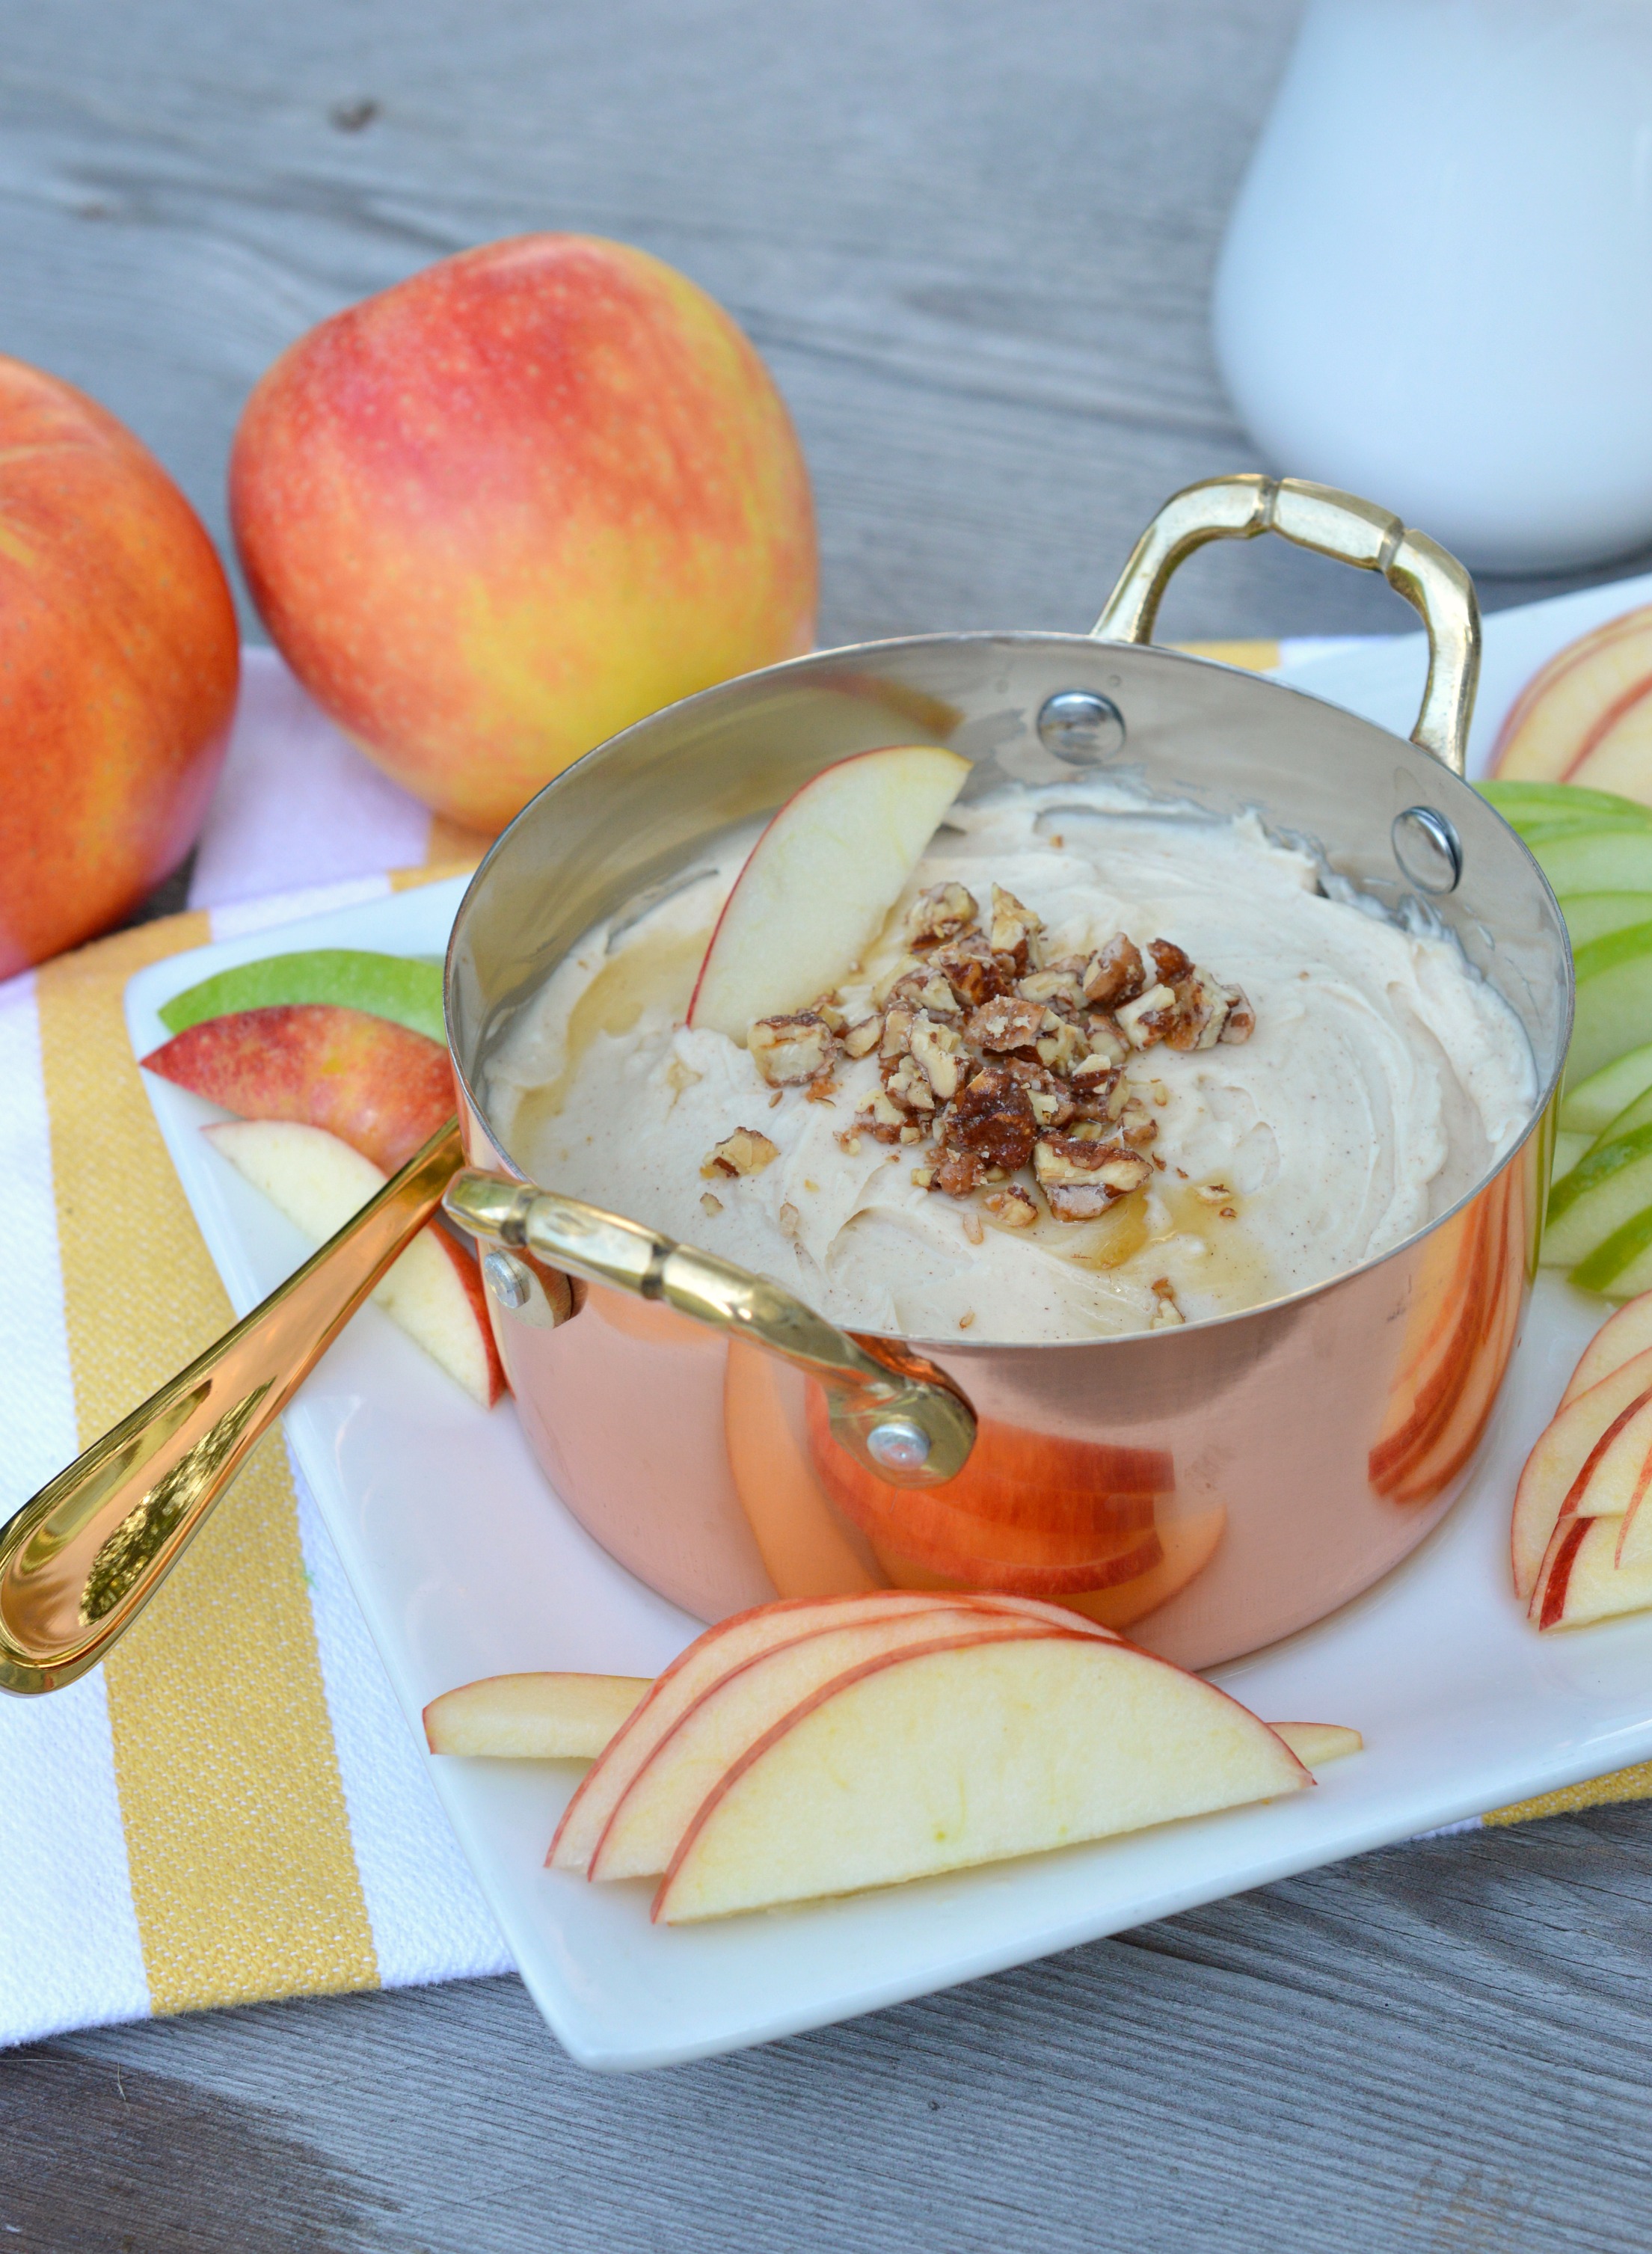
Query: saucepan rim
(952, 1347)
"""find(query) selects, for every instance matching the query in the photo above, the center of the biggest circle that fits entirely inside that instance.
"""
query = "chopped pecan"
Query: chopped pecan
(1167, 1315)
(1006, 1022)
(906, 1084)
(1060, 1046)
(1136, 1123)
(1149, 1018)
(939, 914)
(1012, 1208)
(974, 972)
(788, 1050)
(992, 1115)
(941, 1052)
(924, 989)
(882, 1118)
(1081, 1176)
(1241, 1021)
(897, 1038)
(823, 1090)
(1115, 974)
(745, 1151)
(957, 1173)
(830, 1008)
(863, 1038)
(1170, 962)
(1106, 1036)
(1060, 988)
(1014, 931)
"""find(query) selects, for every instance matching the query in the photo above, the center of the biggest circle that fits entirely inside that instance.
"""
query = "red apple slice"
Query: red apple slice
(659, 1804)
(819, 881)
(1555, 1482)
(1581, 717)
(722, 1648)
(532, 1717)
(382, 1088)
(1619, 1340)
(433, 1291)
(926, 1761)
(1581, 1579)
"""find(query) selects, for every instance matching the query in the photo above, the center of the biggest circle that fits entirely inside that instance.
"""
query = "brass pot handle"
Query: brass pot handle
(1331, 523)
(900, 1416)
(80, 1562)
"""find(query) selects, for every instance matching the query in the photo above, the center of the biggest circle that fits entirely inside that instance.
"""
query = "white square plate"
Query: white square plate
(464, 1565)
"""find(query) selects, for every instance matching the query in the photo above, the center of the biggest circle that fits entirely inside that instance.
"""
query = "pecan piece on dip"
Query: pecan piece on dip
(1081, 1178)
(790, 1050)
(745, 1151)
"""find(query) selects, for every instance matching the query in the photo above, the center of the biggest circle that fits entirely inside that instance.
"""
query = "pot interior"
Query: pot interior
(636, 812)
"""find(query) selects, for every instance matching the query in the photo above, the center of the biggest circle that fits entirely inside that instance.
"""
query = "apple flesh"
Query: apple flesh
(1591, 1104)
(532, 1717)
(1585, 718)
(400, 987)
(819, 883)
(507, 507)
(381, 1087)
(927, 1761)
(662, 1799)
(1584, 1579)
(1624, 1335)
(433, 1291)
(119, 660)
(1316, 1743)
(1555, 1483)
(730, 1644)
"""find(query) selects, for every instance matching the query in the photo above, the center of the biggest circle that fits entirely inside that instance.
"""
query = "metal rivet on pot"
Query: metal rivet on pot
(508, 1281)
(1081, 727)
(899, 1444)
(1427, 849)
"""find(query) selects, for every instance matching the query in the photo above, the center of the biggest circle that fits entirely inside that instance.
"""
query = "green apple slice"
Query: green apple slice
(1597, 861)
(405, 989)
(1609, 1189)
(1597, 915)
(1569, 1148)
(1523, 804)
(1590, 1106)
(1615, 999)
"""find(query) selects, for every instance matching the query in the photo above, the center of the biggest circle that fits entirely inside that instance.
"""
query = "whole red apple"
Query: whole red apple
(515, 503)
(118, 665)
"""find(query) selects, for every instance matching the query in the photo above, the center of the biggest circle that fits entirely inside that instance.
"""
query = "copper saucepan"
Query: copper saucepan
(1208, 1488)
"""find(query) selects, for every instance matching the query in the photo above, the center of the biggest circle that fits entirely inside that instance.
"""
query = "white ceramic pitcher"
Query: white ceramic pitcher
(1436, 283)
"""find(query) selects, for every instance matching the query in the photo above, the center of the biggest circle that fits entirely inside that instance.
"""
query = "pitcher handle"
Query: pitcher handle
(900, 1415)
(1331, 523)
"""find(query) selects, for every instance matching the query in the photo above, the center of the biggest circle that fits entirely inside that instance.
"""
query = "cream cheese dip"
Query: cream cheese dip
(1382, 1079)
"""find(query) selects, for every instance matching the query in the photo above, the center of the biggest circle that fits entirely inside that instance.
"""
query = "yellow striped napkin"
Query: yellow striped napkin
(232, 1807)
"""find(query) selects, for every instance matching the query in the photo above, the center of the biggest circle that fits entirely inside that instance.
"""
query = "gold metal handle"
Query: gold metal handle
(80, 1561)
(1350, 531)
(900, 1415)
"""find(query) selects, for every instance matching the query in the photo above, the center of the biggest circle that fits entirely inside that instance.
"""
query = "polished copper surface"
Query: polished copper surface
(1208, 1488)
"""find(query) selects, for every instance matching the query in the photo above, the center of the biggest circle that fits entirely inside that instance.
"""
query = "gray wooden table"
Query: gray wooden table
(975, 243)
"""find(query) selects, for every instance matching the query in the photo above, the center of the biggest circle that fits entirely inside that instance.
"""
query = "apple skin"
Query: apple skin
(517, 501)
(381, 1087)
(119, 660)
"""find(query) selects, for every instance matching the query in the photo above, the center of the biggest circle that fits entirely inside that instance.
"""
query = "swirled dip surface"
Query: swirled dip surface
(1382, 1079)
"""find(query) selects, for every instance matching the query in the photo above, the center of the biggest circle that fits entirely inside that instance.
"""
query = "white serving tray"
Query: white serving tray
(465, 1564)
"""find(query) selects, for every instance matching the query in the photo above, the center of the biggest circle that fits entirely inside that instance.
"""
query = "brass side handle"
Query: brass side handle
(1348, 531)
(80, 1562)
(896, 1413)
